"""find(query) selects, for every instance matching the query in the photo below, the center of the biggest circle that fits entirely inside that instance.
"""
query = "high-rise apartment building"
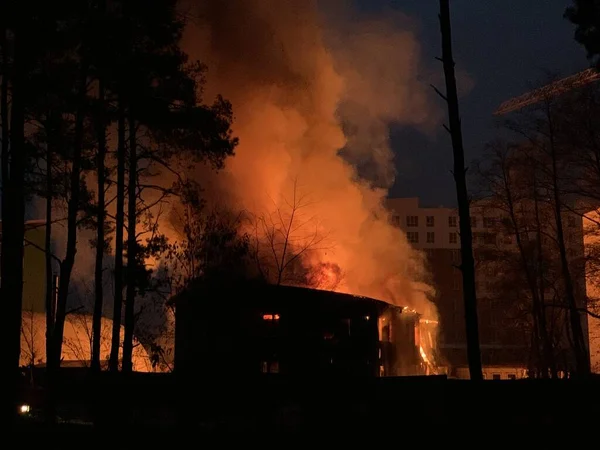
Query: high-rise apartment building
(504, 336)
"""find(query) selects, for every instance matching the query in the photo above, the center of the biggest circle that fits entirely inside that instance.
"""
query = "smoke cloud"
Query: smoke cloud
(313, 101)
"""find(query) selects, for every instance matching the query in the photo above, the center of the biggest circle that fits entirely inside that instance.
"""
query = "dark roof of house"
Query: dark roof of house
(268, 295)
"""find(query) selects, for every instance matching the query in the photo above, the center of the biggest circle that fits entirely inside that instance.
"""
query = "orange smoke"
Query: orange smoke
(301, 98)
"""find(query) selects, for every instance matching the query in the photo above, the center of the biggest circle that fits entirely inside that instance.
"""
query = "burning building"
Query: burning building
(259, 328)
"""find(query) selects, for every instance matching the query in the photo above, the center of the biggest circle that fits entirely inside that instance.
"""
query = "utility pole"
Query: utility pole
(467, 266)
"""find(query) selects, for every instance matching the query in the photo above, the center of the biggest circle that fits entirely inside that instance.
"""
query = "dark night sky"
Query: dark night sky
(504, 46)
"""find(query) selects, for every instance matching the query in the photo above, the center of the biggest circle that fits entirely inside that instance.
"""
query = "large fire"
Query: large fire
(312, 111)
(313, 100)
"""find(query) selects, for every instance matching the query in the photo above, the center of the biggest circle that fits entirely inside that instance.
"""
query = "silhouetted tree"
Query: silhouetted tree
(21, 29)
(166, 118)
(8, 365)
(100, 53)
(509, 180)
(119, 227)
(467, 265)
(73, 208)
(50, 106)
(283, 241)
(211, 244)
(542, 126)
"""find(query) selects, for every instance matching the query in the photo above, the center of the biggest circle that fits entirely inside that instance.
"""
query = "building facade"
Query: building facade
(76, 350)
(34, 266)
(591, 223)
(504, 336)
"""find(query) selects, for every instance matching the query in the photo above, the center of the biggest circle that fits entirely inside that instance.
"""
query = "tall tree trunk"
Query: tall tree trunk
(582, 360)
(13, 225)
(466, 238)
(131, 249)
(5, 137)
(98, 279)
(4, 67)
(66, 267)
(547, 343)
(50, 290)
(537, 343)
(4, 109)
(119, 225)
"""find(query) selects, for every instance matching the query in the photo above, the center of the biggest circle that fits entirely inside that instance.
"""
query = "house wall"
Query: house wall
(34, 267)
(34, 270)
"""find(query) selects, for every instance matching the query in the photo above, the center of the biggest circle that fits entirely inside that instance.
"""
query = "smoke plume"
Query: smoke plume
(313, 102)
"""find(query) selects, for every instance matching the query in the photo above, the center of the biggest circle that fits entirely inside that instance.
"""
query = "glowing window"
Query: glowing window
(271, 317)
(270, 367)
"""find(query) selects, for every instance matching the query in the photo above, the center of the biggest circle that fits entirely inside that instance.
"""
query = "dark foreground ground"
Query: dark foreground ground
(150, 404)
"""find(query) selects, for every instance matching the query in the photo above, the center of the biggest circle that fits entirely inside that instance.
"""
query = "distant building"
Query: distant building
(34, 266)
(77, 343)
(78, 327)
(591, 238)
(504, 345)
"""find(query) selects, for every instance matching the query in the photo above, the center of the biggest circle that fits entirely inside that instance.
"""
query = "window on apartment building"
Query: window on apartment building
(512, 376)
(430, 221)
(473, 221)
(396, 220)
(496, 376)
(430, 237)
(430, 252)
(489, 222)
(452, 221)
(453, 238)
(412, 221)
(413, 237)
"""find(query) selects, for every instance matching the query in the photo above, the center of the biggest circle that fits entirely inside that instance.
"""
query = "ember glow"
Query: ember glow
(315, 107)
